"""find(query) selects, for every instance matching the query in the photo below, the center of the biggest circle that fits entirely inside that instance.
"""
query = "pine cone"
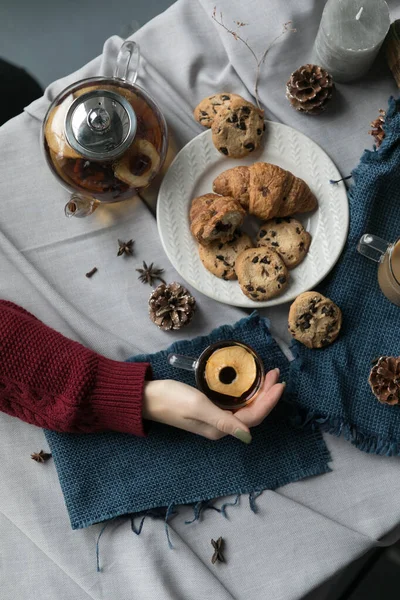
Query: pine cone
(392, 50)
(377, 128)
(171, 306)
(384, 380)
(309, 89)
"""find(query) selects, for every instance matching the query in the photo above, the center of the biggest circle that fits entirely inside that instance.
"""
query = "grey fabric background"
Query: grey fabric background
(73, 31)
(304, 532)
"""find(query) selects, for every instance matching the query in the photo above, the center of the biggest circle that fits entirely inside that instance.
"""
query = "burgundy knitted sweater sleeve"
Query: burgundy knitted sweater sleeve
(55, 383)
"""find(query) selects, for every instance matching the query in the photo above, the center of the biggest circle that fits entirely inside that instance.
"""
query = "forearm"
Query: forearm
(53, 382)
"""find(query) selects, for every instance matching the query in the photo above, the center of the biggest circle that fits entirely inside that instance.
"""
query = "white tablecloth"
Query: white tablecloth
(303, 532)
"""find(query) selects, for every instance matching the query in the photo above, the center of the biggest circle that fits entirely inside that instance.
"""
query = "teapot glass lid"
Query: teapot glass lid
(100, 125)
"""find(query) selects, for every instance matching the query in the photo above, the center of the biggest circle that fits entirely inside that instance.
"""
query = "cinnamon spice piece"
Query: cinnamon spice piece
(92, 272)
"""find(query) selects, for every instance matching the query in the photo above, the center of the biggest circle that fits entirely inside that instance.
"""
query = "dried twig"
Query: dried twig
(259, 61)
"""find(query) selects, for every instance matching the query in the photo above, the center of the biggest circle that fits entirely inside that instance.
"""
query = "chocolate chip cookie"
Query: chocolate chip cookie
(287, 237)
(206, 110)
(314, 320)
(238, 129)
(219, 258)
(262, 274)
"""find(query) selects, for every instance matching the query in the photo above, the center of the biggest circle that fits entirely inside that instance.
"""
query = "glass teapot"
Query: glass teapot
(105, 138)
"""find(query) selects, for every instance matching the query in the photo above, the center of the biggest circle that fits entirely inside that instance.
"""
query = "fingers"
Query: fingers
(222, 420)
(203, 429)
(267, 398)
(256, 412)
(271, 378)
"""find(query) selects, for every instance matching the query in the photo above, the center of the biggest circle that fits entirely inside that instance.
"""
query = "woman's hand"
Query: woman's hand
(180, 405)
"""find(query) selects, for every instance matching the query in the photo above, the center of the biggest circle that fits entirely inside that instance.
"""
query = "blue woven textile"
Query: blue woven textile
(331, 385)
(106, 475)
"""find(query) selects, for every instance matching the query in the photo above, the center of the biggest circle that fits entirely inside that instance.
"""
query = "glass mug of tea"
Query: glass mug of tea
(229, 373)
(387, 255)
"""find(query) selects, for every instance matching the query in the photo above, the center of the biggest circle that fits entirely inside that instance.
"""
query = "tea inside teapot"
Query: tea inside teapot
(107, 179)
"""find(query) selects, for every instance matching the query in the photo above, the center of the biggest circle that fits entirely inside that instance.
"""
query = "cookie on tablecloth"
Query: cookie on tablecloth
(287, 237)
(206, 110)
(220, 259)
(314, 320)
(262, 274)
(238, 129)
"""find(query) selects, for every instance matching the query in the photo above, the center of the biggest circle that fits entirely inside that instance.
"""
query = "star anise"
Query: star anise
(125, 247)
(41, 456)
(218, 547)
(150, 274)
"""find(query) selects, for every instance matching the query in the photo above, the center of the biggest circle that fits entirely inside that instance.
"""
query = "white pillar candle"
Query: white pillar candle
(349, 36)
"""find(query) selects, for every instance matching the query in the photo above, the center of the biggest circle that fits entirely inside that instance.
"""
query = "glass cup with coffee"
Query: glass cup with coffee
(229, 373)
(387, 255)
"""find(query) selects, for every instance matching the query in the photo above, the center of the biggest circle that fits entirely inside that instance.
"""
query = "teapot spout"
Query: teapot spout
(80, 206)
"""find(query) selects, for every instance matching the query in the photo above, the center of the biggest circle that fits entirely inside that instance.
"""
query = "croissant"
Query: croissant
(266, 190)
(214, 217)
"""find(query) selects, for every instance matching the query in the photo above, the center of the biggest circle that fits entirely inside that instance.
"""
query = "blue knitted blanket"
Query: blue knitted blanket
(106, 475)
(331, 386)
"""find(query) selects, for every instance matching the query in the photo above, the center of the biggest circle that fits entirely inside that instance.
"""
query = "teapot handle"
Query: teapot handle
(128, 62)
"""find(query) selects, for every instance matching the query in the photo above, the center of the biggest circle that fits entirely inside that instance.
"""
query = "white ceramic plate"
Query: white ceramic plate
(192, 173)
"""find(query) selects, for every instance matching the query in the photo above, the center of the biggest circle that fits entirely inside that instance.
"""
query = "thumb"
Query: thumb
(226, 422)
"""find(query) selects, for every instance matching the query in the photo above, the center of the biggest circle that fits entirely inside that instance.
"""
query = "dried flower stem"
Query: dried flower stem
(259, 61)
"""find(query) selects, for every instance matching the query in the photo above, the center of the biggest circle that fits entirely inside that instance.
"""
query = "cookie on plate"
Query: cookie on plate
(287, 237)
(314, 320)
(206, 110)
(220, 259)
(214, 217)
(238, 129)
(262, 274)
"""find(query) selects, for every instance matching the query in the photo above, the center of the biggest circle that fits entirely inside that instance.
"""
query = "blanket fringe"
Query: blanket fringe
(252, 499)
(98, 547)
(199, 507)
(223, 507)
(156, 513)
(137, 530)
(170, 512)
(203, 505)
(336, 426)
